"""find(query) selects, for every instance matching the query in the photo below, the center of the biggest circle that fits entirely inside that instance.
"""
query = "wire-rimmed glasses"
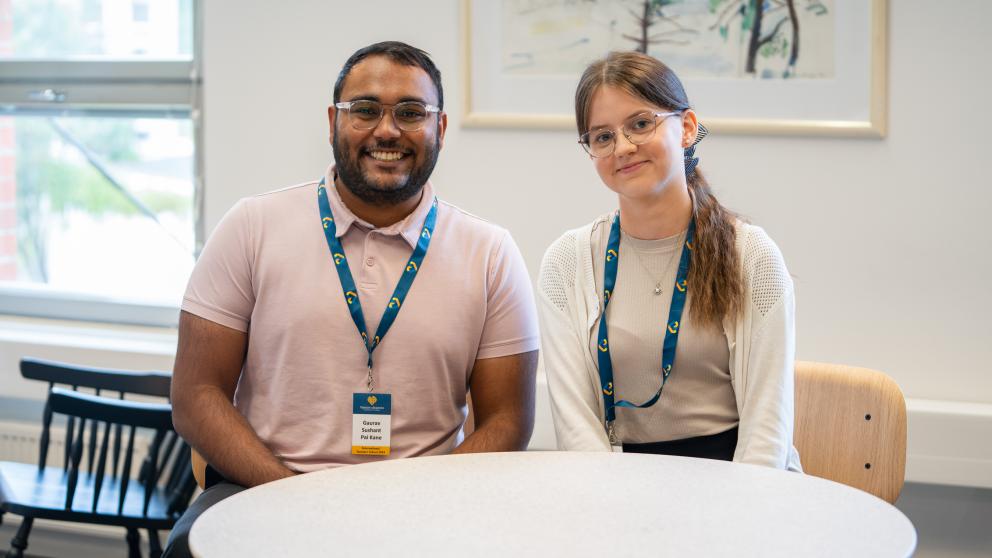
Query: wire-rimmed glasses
(409, 116)
(638, 129)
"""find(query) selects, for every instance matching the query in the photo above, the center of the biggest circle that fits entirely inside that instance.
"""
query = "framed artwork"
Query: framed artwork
(777, 67)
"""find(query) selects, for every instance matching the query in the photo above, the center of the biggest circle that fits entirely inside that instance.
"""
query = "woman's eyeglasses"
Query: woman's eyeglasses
(638, 129)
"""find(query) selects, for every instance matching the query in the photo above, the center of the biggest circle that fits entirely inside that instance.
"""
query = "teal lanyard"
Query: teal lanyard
(671, 328)
(348, 282)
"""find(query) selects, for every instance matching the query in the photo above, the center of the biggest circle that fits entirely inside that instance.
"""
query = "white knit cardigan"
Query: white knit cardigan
(761, 343)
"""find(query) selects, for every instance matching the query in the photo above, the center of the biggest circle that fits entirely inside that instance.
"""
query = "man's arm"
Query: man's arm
(503, 403)
(208, 365)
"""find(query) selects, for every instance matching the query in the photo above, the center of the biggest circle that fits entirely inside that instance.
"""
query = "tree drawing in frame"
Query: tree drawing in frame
(754, 15)
(697, 38)
(651, 13)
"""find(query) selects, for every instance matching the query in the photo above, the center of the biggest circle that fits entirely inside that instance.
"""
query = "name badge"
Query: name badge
(370, 423)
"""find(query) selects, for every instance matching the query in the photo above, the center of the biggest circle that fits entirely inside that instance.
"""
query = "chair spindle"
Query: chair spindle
(77, 455)
(117, 443)
(93, 432)
(46, 428)
(101, 466)
(170, 442)
(126, 472)
(152, 474)
(69, 431)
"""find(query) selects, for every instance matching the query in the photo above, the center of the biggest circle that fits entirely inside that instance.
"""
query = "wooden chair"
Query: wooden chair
(851, 427)
(104, 429)
(199, 466)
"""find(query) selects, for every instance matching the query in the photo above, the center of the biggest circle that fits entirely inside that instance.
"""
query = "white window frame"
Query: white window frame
(145, 87)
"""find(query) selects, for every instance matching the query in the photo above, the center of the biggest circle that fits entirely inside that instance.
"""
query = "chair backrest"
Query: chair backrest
(121, 382)
(851, 427)
(167, 453)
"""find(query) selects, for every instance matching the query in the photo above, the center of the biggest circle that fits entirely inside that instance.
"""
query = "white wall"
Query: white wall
(886, 239)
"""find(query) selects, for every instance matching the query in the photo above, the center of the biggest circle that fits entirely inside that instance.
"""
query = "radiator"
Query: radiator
(21, 441)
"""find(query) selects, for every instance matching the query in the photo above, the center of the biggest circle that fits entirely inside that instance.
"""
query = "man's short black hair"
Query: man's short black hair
(401, 53)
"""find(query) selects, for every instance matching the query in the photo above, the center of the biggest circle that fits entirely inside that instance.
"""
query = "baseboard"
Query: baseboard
(949, 443)
(87, 530)
(79, 540)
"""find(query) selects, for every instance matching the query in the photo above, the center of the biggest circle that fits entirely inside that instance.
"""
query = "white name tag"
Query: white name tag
(371, 413)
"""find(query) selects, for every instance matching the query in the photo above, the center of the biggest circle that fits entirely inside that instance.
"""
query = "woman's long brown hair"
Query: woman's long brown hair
(715, 283)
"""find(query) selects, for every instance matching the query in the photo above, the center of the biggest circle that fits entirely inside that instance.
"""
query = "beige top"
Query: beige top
(267, 270)
(698, 399)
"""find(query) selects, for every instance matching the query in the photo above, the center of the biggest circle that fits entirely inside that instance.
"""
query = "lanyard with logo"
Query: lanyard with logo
(371, 411)
(671, 328)
(348, 282)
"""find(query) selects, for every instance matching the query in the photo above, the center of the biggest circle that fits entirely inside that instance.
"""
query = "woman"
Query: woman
(694, 353)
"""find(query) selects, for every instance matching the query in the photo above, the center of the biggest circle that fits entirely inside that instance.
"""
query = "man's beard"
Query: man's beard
(376, 192)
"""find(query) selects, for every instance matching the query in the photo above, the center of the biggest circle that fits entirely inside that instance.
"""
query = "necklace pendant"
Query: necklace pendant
(657, 289)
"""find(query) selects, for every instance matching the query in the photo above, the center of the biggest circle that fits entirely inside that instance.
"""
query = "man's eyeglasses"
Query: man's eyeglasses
(409, 116)
(638, 129)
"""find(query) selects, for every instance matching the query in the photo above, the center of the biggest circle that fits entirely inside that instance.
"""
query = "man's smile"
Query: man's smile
(386, 155)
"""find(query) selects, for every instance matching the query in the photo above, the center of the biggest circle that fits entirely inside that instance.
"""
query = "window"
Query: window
(139, 10)
(99, 170)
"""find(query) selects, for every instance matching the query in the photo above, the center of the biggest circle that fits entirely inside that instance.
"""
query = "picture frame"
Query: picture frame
(848, 101)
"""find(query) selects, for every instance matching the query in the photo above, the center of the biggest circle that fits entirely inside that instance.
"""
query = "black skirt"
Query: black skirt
(715, 446)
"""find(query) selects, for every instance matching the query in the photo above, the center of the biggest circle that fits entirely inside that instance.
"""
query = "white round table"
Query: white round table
(552, 504)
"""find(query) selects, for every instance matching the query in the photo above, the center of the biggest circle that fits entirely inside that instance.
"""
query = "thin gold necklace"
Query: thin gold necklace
(668, 267)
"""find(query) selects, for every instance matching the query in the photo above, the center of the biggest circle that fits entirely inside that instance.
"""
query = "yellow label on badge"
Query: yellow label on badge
(369, 450)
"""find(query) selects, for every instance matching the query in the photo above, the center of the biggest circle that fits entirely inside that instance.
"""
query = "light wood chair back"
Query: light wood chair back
(199, 466)
(851, 427)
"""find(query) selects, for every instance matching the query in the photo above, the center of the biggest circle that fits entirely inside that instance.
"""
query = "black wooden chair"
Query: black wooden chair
(105, 429)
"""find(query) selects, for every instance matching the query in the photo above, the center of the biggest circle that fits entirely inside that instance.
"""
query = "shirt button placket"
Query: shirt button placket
(369, 278)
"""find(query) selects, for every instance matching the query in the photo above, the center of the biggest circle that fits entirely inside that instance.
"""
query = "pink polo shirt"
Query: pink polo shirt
(266, 270)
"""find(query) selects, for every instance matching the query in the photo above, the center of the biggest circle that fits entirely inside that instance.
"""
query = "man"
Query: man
(346, 318)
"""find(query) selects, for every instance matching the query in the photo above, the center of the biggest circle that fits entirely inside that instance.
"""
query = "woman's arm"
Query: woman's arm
(574, 397)
(766, 415)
